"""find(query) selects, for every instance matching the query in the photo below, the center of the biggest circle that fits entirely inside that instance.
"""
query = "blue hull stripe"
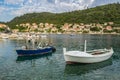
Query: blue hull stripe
(34, 52)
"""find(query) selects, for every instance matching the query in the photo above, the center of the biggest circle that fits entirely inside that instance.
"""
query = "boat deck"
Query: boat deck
(99, 51)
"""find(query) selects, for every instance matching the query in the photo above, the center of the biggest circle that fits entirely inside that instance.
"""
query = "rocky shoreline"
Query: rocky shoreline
(24, 35)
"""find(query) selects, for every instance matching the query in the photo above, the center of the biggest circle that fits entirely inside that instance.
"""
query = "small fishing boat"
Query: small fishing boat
(42, 48)
(92, 56)
(4, 36)
(38, 51)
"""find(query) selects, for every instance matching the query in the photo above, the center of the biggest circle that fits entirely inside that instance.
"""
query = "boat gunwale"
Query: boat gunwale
(97, 55)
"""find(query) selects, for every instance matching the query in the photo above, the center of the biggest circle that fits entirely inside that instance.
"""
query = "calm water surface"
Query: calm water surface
(53, 66)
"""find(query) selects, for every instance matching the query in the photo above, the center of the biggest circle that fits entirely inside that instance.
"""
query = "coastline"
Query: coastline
(17, 35)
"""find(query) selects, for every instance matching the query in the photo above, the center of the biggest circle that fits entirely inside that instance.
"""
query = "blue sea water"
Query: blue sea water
(53, 66)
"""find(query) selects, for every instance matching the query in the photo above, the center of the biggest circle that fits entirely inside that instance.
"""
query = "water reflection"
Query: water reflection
(24, 58)
(79, 69)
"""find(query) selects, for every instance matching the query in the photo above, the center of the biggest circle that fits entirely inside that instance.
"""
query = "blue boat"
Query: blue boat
(42, 48)
(39, 51)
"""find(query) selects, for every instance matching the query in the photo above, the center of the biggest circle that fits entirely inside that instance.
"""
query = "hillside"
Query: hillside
(2, 23)
(99, 14)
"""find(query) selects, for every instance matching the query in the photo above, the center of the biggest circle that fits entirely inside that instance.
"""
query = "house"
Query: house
(3, 26)
(110, 23)
(65, 27)
(15, 30)
(109, 28)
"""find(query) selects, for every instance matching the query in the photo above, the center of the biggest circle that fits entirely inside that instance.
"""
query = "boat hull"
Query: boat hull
(35, 52)
(70, 59)
(82, 59)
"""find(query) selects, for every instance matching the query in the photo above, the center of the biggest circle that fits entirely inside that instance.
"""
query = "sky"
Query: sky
(9, 9)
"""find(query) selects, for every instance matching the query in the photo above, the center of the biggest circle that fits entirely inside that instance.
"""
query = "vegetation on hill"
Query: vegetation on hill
(99, 14)
(2, 23)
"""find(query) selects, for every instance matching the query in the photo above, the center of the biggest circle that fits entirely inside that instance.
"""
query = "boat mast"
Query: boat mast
(85, 46)
(33, 43)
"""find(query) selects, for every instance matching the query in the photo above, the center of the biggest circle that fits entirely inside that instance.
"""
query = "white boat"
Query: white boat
(43, 36)
(5, 37)
(92, 56)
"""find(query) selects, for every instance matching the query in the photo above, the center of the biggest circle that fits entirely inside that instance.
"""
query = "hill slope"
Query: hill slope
(100, 14)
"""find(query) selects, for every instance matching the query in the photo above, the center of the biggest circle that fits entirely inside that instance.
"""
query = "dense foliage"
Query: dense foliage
(2, 23)
(99, 14)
